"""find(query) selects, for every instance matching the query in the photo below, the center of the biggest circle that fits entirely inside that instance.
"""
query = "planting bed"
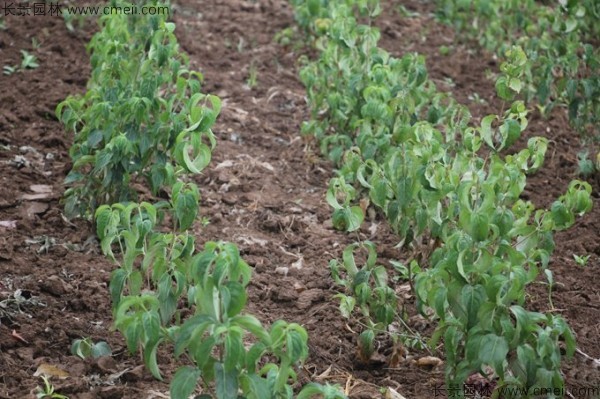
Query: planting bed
(264, 190)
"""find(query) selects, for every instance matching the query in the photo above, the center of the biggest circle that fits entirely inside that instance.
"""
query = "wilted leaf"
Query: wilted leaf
(391, 393)
(429, 361)
(49, 370)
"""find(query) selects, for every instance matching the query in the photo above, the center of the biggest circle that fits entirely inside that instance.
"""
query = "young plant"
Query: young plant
(29, 61)
(47, 391)
(369, 291)
(143, 117)
(74, 21)
(86, 348)
(413, 154)
(158, 271)
(9, 70)
(559, 40)
(581, 260)
(252, 80)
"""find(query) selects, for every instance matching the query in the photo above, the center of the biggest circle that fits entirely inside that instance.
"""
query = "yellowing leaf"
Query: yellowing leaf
(49, 370)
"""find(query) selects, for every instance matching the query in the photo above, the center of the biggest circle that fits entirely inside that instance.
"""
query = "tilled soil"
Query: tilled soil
(264, 191)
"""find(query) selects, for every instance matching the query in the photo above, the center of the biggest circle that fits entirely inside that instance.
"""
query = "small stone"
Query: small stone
(135, 374)
(299, 287)
(113, 392)
(106, 364)
(307, 297)
(230, 199)
(55, 286)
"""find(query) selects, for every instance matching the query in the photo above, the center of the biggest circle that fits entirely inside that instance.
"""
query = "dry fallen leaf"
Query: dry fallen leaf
(49, 370)
(18, 337)
(398, 355)
(35, 208)
(429, 361)
(40, 188)
(35, 197)
(9, 224)
(391, 393)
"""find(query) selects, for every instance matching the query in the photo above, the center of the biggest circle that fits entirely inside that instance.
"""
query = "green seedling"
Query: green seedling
(252, 80)
(581, 260)
(160, 121)
(29, 61)
(157, 271)
(47, 391)
(585, 165)
(437, 175)
(444, 50)
(156, 128)
(558, 39)
(9, 70)
(284, 37)
(74, 21)
(368, 290)
(86, 348)
(241, 45)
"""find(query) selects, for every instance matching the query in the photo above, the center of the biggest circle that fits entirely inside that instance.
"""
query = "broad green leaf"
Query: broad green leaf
(152, 330)
(226, 382)
(252, 325)
(296, 346)
(100, 349)
(234, 350)
(489, 349)
(257, 387)
(347, 304)
(184, 382)
(366, 340)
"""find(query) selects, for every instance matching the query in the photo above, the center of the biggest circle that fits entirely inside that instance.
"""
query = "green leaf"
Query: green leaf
(502, 89)
(226, 382)
(472, 298)
(510, 131)
(296, 346)
(252, 325)
(489, 349)
(152, 331)
(515, 85)
(366, 340)
(184, 382)
(487, 131)
(117, 284)
(257, 387)
(100, 349)
(347, 304)
(202, 156)
(234, 350)
(310, 390)
(103, 219)
(355, 218)
(186, 208)
(170, 27)
(562, 217)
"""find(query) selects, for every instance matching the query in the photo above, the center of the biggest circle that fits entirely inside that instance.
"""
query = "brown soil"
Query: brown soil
(264, 191)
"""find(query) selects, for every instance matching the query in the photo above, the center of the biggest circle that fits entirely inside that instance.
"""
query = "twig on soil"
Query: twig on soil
(588, 357)
(18, 337)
